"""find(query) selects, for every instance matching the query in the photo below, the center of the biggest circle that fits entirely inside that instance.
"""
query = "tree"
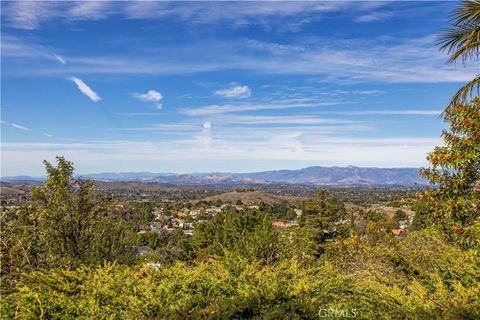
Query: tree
(320, 214)
(455, 170)
(462, 41)
(249, 234)
(67, 224)
(423, 214)
(400, 215)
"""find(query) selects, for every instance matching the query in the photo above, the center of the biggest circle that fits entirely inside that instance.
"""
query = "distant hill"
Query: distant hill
(342, 176)
(7, 189)
(11, 191)
(312, 176)
(125, 176)
(254, 197)
(23, 179)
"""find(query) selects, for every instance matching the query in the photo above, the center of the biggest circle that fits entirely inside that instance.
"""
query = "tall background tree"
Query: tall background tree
(455, 167)
(67, 224)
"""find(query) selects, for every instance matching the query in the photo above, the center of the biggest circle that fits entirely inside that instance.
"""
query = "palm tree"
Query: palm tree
(462, 41)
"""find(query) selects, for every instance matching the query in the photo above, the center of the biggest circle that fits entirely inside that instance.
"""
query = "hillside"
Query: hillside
(343, 176)
(4, 190)
(340, 177)
(254, 197)
(9, 189)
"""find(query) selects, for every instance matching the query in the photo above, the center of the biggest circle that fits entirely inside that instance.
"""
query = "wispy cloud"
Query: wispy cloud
(89, 10)
(85, 89)
(390, 112)
(172, 128)
(275, 120)
(228, 108)
(234, 92)
(15, 125)
(14, 47)
(391, 60)
(59, 58)
(26, 14)
(150, 96)
(367, 92)
(275, 48)
(140, 114)
(374, 16)
(33, 14)
(203, 148)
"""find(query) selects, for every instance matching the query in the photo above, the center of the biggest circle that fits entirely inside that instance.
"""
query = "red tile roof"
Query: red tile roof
(397, 232)
(278, 224)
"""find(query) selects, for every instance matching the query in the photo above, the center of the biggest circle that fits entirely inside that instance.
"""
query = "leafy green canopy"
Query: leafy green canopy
(320, 214)
(66, 225)
(455, 169)
(249, 234)
(421, 277)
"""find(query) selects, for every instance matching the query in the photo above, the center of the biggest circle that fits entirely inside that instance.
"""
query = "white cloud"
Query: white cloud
(275, 48)
(367, 92)
(383, 59)
(15, 125)
(230, 126)
(234, 92)
(205, 138)
(59, 58)
(19, 126)
(227, 108)
(82, 86)
(90, 10)
(18, 48)
(171, 128)
(374, 16)
(276, 120)
(32, 14)
(150, 96)
(28, 14)
(202, 149)
(139, 114)
(390, 112)
(47, 135)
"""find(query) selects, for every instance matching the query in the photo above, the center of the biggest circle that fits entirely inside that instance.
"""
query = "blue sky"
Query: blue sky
(222, 86)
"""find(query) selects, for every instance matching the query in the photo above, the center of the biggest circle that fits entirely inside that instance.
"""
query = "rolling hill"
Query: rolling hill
(316, 176)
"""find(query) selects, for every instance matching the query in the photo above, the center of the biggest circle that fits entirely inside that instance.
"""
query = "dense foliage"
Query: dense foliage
(66, 225)
(455, 168)
(420, 278)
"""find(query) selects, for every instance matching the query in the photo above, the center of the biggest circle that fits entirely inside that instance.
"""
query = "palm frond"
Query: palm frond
(462, 39)
(467, 12)
(466, 92)
(461, 42)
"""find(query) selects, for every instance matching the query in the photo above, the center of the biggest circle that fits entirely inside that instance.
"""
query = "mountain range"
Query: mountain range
(316, 176)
